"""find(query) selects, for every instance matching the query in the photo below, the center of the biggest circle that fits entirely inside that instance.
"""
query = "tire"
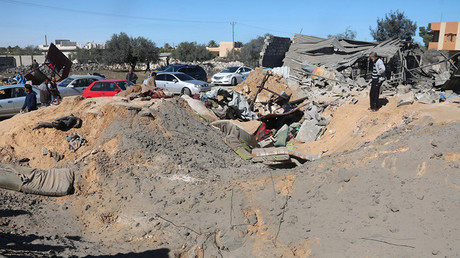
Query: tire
(186, 91)
(234, 81)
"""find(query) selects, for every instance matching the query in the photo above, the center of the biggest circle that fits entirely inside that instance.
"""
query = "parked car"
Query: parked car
(180, 83)
(12, 99)
(75, 85)
(105, 88)
(196, 71)
(231, 75)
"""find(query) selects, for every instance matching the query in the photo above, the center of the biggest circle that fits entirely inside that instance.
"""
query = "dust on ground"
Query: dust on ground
(167, 185)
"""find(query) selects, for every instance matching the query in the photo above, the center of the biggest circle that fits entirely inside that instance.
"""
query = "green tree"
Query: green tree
(124, 49)
(395, 24)
(212, 43)
(426, 34)
(89, 55)
(191, 51)
(348, 34)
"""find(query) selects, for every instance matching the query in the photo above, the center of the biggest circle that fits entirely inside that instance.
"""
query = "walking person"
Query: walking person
(378, 77)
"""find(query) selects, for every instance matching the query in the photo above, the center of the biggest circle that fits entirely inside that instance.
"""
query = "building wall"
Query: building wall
(223, 48)
(26, 60)
(449, 36)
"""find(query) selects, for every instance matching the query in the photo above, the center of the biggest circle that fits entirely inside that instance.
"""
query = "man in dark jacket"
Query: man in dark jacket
(131, 76)
(31, 99)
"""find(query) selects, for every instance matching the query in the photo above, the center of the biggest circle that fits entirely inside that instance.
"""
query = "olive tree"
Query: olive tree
(124, 49)
(191, 51)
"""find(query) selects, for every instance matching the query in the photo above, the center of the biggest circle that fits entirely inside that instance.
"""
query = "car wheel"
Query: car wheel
(186, 91)
(234, 81)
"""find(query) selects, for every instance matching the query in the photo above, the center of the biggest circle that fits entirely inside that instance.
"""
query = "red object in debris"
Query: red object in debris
(106, 88)
(263, 132)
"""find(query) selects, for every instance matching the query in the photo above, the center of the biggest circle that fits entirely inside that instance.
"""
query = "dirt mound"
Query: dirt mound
(154, 179)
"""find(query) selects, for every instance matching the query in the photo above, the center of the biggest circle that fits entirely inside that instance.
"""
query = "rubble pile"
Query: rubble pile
(168, 183)
(336, 61)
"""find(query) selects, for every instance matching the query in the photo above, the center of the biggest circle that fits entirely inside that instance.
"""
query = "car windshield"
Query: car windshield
(184, 77)
(230, 70)
(65, 82)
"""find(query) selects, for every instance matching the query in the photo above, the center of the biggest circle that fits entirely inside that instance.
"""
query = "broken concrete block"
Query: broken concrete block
(145, 113)
(427, 98)
(406, 99)
(361, 82)
(353, 101)
(403, 89)
(308, 131)
(337, 90)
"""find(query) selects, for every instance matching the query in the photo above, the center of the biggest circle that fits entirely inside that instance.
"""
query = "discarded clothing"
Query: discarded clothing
(63, 123)
(75, 141)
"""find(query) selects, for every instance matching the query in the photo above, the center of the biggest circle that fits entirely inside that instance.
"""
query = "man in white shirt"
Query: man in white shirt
(378, 76)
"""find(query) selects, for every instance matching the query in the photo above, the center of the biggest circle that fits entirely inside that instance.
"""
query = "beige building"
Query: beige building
(223, 48)
(446, 36)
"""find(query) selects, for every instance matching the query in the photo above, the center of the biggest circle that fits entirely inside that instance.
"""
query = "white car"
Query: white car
(180, 83)
(75, 85)
(12, 98)
(231, 75)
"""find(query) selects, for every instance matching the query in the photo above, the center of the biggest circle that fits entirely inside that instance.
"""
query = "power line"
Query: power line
(107, 14)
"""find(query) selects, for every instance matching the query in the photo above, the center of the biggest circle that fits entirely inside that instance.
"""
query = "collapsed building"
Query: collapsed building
(345, 60)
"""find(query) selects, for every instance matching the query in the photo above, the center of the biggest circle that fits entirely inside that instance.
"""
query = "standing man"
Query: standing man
(378, 76)
(30, 102)
(131, 76)
(34, 65)
(45, 97)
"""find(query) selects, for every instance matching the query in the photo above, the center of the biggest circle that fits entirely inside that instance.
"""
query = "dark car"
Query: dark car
(197, 72)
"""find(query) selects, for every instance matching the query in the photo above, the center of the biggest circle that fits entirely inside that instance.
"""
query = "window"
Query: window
(161, 77)
(66, 82)
(184, 77)
(97, 87)
(109, 86)
(124, 84)
(170, 78)
(230, 69)
(5, 94)
(450, 37)
(18, 92)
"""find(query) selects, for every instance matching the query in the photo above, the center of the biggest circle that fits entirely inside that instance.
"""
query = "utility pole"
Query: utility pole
(46, 41)
(233, 33)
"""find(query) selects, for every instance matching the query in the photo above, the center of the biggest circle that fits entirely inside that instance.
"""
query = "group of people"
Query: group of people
(49, 94)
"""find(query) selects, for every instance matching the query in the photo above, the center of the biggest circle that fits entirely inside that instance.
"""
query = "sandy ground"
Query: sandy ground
(167, 186)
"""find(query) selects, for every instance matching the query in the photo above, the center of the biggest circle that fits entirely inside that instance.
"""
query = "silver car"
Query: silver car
(75, 85)
(231, 75)
(12, 99)
(180, 83)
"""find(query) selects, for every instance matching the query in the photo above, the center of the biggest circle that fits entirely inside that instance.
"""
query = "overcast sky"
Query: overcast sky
(26, 22)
